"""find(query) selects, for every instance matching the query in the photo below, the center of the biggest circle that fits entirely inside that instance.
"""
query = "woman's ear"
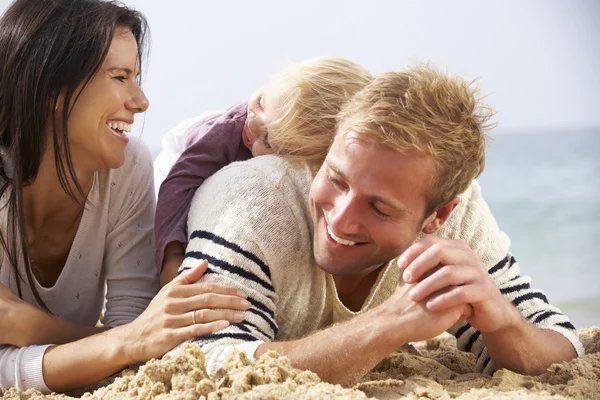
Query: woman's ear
(435, 221)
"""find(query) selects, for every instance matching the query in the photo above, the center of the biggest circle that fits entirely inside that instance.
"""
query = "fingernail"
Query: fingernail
(412, 294)
(241, 293)
(223, 324)
(406, 276)
(245, 303)
(402, 262)
(238, 316)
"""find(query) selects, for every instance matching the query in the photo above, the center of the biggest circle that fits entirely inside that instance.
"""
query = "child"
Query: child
(292, 116)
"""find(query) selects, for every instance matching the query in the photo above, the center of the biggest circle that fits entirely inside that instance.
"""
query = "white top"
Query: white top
(251, 221)
(173, 144)
(111, 263)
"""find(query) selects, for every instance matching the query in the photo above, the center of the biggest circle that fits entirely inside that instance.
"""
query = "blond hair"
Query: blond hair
(312, 93)
(425, 110)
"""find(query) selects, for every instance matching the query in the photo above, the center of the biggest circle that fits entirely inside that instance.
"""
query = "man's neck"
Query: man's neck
(353, 290)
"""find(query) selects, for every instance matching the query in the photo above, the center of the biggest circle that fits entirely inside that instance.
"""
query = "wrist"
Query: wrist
(513, 321)
(123, 347)
(39, 325)
(388, 327)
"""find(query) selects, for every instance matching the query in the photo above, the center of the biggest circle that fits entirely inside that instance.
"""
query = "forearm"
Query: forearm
(31, 326)
(527, 349)
(86, 361)
(55, 330)
(342, 353)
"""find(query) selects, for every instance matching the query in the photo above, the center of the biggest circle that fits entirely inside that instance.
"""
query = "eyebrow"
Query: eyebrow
(128, 71)
(390, 203)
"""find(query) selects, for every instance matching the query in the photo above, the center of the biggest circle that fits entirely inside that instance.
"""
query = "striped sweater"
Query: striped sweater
(251, 221)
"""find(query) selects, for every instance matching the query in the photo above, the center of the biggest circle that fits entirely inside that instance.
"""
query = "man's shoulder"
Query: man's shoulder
(266, 172)
(255, 188)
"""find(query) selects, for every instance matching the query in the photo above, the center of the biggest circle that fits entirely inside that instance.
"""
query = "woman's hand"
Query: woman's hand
(22, 324)
(182, 310)
(19, 320)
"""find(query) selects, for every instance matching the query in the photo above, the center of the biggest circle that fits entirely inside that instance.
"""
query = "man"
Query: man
(322, 273)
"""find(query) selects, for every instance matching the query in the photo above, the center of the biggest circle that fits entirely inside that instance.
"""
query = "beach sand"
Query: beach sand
(427, 370)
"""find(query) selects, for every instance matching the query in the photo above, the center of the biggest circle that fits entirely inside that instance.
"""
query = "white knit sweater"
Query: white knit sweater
(251, 221)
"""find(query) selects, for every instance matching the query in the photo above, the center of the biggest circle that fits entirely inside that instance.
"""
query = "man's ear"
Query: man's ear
(438, 217)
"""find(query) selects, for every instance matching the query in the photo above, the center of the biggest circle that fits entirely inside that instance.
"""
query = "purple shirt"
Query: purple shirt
(210, 145)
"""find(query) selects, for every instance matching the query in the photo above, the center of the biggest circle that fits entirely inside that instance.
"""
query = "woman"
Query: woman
(77, 204)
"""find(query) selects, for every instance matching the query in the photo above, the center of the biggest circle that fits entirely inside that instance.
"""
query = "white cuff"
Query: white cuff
(571, 336)
(248, 348)
(30, 375)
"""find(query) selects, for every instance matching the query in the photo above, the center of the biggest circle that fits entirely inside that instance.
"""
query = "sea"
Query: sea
(544, 190)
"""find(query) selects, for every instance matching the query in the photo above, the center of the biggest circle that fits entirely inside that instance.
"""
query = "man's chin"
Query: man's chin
(335, 267)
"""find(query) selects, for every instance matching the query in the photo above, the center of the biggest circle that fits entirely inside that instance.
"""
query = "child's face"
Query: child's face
(255, 134)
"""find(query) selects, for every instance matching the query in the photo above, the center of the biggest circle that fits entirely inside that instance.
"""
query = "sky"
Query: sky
(538, 60)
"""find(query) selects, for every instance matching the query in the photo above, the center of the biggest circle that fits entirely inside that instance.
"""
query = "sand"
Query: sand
(428, 370)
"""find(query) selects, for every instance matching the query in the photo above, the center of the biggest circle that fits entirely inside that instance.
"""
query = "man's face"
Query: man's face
(367, 204)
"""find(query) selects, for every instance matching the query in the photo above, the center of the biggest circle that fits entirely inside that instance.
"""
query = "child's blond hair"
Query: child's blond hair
(312, 93)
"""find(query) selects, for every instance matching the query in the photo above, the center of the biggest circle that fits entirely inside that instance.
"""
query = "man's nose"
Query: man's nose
(344, 217)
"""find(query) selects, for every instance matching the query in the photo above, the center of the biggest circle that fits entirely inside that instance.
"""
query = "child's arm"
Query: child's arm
(174, 256)
(217, 142)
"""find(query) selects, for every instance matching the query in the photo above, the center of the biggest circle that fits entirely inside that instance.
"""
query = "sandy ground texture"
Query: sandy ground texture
(429, 370)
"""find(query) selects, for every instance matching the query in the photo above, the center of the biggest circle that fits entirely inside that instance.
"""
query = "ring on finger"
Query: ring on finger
(194, 317)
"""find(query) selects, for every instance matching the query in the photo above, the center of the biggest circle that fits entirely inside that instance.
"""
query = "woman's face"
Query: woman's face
(104, 112)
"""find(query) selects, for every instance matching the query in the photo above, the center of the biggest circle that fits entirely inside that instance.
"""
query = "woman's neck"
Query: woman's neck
(45, 200)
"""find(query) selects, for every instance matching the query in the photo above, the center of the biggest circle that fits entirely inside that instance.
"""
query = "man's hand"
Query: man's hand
(414, 321)
(446, 274)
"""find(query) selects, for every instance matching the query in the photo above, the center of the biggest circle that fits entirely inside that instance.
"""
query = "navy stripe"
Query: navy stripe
(261, 307)
(531, 315)
(529, 296)
(216, 336)
(498, 266)
(480, 353)
(485, 364)
(248, 323)
(261, 311)
(567, 325)
(516, 288)
(241, 327)
(462, 330)
(544, 316)
(265, 318)
(472, 340)
(230, 268)
(223, 242)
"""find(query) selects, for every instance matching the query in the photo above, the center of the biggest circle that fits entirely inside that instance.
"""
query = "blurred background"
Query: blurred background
(539, 61)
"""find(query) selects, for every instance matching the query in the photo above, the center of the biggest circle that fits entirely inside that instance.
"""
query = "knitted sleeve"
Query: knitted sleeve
(473, 222)
(251, 231)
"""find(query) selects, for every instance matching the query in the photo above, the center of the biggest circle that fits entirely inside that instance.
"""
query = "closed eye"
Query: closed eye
(378, 212)
(121, 78)
(335, 182)
(266, 141)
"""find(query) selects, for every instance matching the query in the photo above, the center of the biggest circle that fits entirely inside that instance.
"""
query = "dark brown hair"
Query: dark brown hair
(48, 49)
